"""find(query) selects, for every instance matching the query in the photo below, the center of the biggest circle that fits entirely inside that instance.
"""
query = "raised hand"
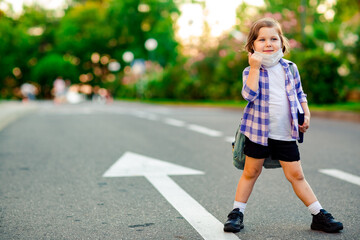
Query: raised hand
(254, 60)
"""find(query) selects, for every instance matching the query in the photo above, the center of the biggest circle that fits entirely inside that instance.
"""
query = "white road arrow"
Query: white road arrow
(156, 171)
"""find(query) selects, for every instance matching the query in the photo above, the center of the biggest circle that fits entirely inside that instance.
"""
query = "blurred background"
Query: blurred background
(100, 50)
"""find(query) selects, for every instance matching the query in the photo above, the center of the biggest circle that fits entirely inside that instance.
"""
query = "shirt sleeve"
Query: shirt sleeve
(299, 90)
(247, 93)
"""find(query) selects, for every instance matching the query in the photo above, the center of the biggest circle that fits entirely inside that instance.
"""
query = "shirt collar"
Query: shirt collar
(284, 63)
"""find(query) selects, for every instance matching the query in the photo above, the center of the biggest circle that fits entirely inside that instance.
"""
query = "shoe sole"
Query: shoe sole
(335, 229)
(230, 228)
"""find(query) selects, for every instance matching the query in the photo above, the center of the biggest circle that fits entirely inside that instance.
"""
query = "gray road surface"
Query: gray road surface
(52, 162)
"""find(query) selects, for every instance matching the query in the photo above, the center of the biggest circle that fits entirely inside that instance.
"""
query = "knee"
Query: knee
(294, 176)
(252, 173)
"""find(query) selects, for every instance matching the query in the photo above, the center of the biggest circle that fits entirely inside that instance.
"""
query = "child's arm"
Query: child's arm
(253, 78)
(251, 74)
(303, 101)
(306, 123)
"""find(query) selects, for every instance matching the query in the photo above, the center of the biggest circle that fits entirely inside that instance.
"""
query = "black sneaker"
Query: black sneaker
(324, 221)
(234, 222)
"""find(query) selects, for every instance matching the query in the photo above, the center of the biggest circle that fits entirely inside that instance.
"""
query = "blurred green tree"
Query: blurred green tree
(135, 21)
(319, 80)
(84, 30)
(94, 33)
(23, 41)
(8, 58)
(48, 69)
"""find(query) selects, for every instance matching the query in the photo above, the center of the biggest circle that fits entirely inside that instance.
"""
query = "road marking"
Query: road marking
(230, 139)
(138, 113)
(151, 117)
(204, 130)
(67, 111)
(156, 172)
(174, 122)
(145, 115)
(179, 123)
(342, 175)
(160, 110)
(112, 111)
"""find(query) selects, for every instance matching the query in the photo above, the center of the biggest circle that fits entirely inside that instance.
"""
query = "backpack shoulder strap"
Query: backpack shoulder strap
(291, 68)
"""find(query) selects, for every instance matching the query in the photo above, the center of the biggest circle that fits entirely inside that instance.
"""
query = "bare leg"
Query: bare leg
(248, 178)
(294, 173)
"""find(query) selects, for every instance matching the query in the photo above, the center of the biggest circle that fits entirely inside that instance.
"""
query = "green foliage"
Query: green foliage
(228, 74)
(108, 28)
(215, 73)
(132, 27)
(49, 68)
(319, 76)
(7, 46)
(23, 42)
(42, 47)
(126, 91)
(84, 30)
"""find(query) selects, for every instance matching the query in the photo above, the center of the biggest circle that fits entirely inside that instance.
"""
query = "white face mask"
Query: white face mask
(270, 60)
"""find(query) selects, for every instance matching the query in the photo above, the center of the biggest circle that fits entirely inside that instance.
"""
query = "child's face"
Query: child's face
(268, 41)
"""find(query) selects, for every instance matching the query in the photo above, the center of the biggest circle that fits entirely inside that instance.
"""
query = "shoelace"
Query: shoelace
(328, 216)
(233, 215)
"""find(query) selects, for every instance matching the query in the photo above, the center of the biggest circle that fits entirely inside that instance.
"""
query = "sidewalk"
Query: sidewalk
(12, 110)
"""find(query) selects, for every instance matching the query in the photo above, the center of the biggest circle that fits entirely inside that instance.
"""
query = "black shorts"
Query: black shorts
(287, 151)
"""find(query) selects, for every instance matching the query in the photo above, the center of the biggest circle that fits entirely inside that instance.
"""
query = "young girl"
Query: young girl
(270, 123)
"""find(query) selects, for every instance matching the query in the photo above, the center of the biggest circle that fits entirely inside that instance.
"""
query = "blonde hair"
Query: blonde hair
(254, 32)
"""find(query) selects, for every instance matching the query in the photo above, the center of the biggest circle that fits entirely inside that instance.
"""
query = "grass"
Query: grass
(201, 103)
(337, 107)
(342, 107)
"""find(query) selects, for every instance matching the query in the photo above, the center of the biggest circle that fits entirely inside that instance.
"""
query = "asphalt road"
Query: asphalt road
(53, 160)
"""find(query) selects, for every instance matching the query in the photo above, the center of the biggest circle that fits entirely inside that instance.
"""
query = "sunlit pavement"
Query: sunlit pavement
(11, 110)
(96, 171)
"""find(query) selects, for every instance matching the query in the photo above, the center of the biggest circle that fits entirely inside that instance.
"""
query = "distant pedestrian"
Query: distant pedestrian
(28, 92)
(270, 123)
(59, 90)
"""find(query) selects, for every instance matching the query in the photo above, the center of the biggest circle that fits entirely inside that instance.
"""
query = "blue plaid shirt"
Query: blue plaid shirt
(255, 121)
